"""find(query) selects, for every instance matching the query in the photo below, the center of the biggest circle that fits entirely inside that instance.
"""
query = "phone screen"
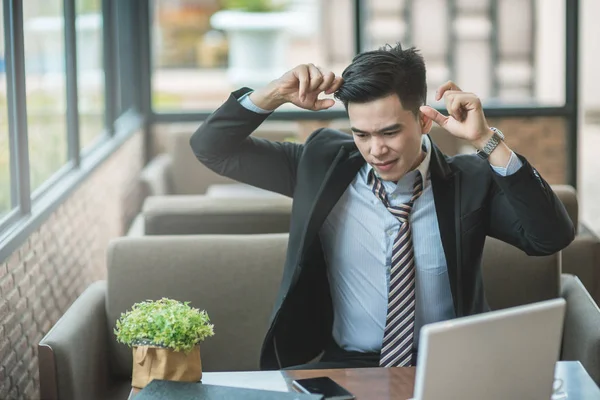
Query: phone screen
(325, 386)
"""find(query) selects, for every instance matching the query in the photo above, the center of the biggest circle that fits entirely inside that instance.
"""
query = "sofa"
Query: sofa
(255, 211)
(185, 215)
(177, 172)
(246, 271)
(582, 257)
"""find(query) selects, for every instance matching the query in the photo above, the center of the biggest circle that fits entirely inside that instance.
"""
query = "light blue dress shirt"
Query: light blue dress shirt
(357, 239)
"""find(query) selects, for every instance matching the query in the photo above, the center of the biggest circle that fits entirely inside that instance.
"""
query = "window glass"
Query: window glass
(43, 24)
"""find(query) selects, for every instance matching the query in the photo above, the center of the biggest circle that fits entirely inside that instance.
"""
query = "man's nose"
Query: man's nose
(378, 147)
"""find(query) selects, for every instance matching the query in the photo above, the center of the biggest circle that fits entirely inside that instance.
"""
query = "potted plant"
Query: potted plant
(257, 39)
(165, 336)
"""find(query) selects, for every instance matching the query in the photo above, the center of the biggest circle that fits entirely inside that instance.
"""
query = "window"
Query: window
(511, 51)
(201, 52)
(5, 188)
(43, 26)
(90, 72)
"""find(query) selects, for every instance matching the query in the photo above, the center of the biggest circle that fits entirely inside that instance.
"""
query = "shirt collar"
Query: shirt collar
(423, 168)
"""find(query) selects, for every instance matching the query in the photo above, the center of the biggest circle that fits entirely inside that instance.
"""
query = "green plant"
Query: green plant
(254, 5)
(164, 323)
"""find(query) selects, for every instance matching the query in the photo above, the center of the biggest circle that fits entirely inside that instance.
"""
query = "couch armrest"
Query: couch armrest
(581, 333)
(185, 215)
(73, 359)
(582, 259)
(568, 197)
(155, 176)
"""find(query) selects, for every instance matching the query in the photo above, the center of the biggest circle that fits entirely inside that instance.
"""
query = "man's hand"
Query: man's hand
(466, 120)
(300, 86)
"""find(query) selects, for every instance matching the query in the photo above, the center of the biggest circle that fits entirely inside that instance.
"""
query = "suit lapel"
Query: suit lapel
(344, 168)
(445, 185)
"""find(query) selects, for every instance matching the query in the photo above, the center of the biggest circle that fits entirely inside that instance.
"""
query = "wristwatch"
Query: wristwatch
(491, 144)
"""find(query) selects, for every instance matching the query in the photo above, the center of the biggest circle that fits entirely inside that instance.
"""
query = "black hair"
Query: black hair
(375, 74)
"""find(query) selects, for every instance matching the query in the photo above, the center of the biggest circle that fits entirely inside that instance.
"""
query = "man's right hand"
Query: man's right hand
(300, 86)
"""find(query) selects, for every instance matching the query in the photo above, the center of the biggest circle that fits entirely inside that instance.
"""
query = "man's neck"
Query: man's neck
(415, 166)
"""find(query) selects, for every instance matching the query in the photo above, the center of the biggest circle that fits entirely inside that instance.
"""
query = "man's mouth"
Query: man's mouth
(385, 166)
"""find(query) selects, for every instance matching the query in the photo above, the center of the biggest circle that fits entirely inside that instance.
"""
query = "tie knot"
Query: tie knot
(401, 211)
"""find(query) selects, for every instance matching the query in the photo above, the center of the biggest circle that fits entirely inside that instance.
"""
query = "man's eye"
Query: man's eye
(391, 133)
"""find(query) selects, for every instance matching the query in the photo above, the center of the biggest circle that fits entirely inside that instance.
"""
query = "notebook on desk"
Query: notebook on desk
(169, 390)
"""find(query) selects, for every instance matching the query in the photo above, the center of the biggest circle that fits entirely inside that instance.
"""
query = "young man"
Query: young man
(386, 232)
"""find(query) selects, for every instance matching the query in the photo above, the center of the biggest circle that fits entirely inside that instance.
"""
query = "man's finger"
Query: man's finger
(434, 114)
(439, 93)
(323, 104)
(337, 83)
(302, 75)
(316, 78)
(328, 78)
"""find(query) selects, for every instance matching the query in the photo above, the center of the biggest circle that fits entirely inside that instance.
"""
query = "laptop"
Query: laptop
(498, 355)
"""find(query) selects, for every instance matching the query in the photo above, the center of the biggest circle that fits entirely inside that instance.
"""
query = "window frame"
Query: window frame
(569, 110)
(29, 209)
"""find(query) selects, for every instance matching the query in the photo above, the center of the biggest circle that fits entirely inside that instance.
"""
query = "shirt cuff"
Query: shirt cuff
(514, 164)
(247, 103)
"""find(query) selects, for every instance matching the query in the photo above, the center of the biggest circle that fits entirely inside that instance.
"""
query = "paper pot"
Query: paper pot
(159, 363)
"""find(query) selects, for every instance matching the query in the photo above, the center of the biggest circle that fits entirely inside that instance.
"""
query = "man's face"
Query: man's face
(388, 136)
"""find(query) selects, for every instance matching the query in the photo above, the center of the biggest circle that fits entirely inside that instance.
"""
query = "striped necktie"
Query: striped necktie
(396, 350)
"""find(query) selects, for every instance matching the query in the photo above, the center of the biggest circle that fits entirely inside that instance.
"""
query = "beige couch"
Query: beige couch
(177, 172)
(236, 278)
(582, 257)
(229, 211)
(184, 215)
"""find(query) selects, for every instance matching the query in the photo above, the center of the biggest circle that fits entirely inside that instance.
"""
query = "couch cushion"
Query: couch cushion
(582, 258)
(235, 278)
(186, 215)
(188, 175)
(511, 277)
(239, 190)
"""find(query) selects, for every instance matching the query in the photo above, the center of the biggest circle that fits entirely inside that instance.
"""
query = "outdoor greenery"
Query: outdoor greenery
(253, 5)
(164, 323)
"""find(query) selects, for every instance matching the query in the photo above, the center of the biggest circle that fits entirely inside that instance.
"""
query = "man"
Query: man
(386, 232)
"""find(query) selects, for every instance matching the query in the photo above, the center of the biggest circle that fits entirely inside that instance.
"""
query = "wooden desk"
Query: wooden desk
(364, 383)
(384, 383)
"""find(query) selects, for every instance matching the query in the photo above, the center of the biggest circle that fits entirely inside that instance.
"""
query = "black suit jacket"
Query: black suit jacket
(471, 202)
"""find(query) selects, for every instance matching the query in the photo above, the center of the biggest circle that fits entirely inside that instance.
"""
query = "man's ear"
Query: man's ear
(425, 123)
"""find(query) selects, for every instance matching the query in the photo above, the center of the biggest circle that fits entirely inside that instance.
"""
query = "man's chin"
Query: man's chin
(393, 176)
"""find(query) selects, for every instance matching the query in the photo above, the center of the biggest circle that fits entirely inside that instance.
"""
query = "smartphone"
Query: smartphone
(322, 385)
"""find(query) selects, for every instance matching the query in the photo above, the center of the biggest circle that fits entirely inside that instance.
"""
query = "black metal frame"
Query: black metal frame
(110, 65)
(17, 107)
(71, 80)
(572, 88)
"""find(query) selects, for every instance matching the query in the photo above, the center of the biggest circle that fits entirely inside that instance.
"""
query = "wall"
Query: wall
(541, 140)
(40, 280)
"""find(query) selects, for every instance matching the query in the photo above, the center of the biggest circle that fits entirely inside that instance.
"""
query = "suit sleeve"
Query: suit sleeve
(526, 213)
(223, 144)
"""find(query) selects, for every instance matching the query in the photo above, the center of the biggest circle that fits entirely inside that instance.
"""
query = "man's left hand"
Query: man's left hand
(465, 118)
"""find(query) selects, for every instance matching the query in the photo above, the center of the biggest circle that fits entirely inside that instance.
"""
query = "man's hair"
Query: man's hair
(375, 74)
